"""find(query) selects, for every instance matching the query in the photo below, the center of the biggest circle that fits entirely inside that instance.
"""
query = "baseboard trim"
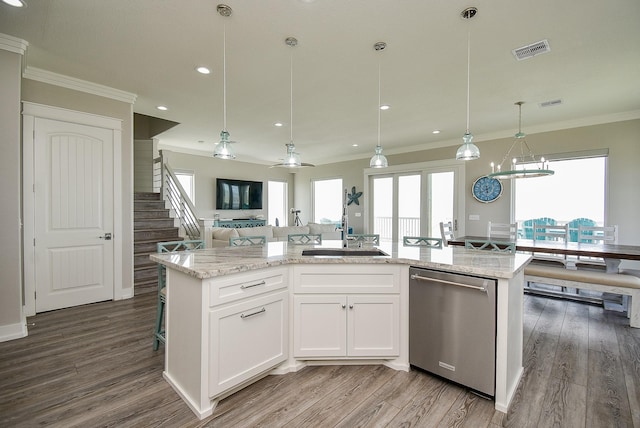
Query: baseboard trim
(13, 331)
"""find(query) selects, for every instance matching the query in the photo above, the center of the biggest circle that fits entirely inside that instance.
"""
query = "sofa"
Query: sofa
(219, 236)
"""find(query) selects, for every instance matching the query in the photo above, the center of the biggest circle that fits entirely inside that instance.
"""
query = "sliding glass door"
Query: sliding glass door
(412, 203)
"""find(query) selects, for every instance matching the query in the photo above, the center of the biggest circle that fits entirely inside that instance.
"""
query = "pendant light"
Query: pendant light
(292, 160)
(379, 160)
(468, 150)
(526, 160)
(223, 149)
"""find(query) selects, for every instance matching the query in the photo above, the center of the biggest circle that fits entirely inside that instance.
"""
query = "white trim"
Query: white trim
(65, 115)
(13, 331)
(28, 213)
(29, 112)
(56, 79)
(13, 44)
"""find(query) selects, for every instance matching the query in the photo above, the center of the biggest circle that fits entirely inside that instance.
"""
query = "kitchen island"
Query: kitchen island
(237, 314)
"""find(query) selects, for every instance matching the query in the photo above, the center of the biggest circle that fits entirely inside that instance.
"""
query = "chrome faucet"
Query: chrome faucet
(344, 224)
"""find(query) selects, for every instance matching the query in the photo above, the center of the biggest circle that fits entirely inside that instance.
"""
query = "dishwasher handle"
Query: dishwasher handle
(442, 281)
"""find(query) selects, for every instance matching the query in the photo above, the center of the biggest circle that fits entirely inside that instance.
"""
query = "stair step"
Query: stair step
(148, 205)
(146, 196)
(142, 260)
(163, 213)
(149, 246)
(153, 223)
(170, 234)
(145, 273)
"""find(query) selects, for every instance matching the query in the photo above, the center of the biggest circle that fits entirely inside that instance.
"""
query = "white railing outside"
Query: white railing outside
(408, 226)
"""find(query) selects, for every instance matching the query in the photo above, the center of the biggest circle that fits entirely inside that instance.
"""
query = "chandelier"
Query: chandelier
(524, 166)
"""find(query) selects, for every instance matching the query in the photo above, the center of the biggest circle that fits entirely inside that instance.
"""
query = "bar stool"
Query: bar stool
(168, 247)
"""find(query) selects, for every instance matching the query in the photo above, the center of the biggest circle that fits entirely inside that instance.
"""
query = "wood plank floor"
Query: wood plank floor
(94, 365)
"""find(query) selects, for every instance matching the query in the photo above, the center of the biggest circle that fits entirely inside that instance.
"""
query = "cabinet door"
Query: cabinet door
(373, 325)
(246, 339)
(319, 326)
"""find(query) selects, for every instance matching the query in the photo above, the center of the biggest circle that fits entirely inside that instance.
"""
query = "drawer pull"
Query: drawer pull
(243, 316)
(243, 286)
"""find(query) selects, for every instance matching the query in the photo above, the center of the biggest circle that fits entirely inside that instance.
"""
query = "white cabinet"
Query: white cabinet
(346, 325)
(223, 332)
(346, 311)
(246, 339)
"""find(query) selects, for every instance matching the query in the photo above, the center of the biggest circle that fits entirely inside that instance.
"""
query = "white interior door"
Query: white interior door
(73, 221)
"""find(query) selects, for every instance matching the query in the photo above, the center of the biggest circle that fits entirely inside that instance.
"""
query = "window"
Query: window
(576, 190)
(327, 200)
(277, 203)
(187, 181)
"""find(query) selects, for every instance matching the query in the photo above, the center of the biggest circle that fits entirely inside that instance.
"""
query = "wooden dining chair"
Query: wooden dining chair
(552, 233)
(446, 232)
(595, 235)
(304, 238)
(421, 241)
(168, 247)
(497, 246)
(506, 231)
(245, 241)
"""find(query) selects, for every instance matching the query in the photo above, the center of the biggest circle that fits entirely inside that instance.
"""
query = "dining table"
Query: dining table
(610, 252)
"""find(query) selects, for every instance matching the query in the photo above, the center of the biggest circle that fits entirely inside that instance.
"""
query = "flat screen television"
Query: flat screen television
(238, 194)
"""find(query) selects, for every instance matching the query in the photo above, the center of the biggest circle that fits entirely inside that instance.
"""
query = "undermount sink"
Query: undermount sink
(344, 252)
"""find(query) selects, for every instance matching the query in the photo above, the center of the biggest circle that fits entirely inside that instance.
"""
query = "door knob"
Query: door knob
(106, 237)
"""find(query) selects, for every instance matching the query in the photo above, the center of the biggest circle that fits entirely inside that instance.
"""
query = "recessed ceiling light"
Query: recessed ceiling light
(15, 3)
(435, 131)
(385, 107)
(354, 145)
(163, 108)
(278, 124)
(203, 70)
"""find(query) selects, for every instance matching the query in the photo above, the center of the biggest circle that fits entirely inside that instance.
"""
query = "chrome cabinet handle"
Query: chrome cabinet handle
(350, 306)
(243, 316)
(344, 306)
(243, 286)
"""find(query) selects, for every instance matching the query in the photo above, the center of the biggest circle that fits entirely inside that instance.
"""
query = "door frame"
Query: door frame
(420, 168)
(31, 111)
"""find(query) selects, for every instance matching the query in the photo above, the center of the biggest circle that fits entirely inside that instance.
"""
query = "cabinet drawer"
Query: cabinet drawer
(230, 288)
(336, 278)
(247, 339)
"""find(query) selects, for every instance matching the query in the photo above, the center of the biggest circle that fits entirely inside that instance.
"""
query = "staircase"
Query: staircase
(152, 223)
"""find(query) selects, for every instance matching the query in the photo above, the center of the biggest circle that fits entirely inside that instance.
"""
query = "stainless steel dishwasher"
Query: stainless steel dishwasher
(452, 327)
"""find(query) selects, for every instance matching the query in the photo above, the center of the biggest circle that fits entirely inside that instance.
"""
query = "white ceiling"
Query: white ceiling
(151, 48)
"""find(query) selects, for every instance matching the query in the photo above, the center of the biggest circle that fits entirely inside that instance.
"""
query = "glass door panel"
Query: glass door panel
(441, 191)
(383, 207)
(409, 197)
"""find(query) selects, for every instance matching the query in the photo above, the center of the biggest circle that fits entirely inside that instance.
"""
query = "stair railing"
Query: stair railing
(173, 192)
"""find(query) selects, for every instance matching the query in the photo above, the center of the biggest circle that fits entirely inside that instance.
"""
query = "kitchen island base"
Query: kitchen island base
(228, 330)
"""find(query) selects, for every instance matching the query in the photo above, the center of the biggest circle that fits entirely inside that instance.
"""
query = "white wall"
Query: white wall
(12, 323)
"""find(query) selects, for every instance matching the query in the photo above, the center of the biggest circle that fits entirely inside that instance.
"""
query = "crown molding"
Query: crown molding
(13, 44)
(56, 79)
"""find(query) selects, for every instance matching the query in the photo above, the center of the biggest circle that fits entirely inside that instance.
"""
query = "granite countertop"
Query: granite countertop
(212, 262)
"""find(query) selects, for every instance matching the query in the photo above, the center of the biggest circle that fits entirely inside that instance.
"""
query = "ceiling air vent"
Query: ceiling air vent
(551, 103)
(532, 50)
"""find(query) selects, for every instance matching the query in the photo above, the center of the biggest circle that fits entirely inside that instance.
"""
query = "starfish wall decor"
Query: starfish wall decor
(354, 196)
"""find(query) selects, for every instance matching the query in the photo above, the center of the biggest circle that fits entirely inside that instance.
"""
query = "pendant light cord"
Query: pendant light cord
(379, 79)
(291, 96)
(224, 77)
(468, 74)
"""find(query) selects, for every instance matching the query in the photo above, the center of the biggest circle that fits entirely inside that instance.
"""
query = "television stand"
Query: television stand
(239, 223)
